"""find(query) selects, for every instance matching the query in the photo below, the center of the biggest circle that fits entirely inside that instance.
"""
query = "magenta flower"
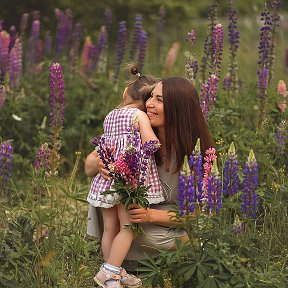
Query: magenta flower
(217, 49)
(209, 158)
(43, 158)
(15, 67)
(4, 53)
(214, 190)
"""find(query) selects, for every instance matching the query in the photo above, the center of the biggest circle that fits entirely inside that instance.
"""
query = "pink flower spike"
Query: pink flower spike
(282, 106)
(281, 88)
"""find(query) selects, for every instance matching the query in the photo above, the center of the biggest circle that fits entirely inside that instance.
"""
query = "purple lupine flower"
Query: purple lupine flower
(227, 82)
(43, 158)
(39, 51)
(147, 149)
(23, 24)
(107, 21)
(13, 36)
(237, 227)
(186, 191)
(214, 196)
(217, 50)
(233, 38)
(48, 44)
(206, 57)
(265, 39)
(104, 152)
(275, 19)
(263, 75)
(15, 66)
(160, 31)
(142, 49)
(101, 44)
(191, 37)
(75, 44)
(136, 36)
(281, 137)
(64, 29)
(233, 32)
(121, 48)
(6, 156)
(208, 95)
(195, 164)
(231, 178)
(264, 62)
(250, 182)
(57, 100)
(191, 64)
(32, 44)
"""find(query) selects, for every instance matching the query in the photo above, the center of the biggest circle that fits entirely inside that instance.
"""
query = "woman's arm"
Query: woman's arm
(94, 165)
(138, 214)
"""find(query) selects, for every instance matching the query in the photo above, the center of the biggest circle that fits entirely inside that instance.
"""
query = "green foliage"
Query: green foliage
(43, 219)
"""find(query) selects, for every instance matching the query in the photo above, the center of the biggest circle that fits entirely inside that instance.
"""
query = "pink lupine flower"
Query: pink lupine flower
(282, 106)
(281, 88)
(209, 158)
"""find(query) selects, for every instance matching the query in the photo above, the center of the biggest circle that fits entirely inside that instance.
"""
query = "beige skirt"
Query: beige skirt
(155, 237)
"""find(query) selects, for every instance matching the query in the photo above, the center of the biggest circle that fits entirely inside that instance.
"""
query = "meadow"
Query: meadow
(56, 88)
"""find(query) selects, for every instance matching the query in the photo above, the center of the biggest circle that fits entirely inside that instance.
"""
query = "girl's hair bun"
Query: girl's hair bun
(133, 69)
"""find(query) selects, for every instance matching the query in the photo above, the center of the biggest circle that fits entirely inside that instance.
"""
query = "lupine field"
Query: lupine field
(61, 73)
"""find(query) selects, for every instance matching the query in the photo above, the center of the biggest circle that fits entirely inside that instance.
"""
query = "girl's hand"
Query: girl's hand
(94, 165)
(138, 214)
(101, 168)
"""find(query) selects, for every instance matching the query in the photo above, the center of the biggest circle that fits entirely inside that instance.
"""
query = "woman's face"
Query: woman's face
(155, 107)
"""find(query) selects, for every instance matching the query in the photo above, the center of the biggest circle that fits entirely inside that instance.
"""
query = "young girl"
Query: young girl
(117, 239)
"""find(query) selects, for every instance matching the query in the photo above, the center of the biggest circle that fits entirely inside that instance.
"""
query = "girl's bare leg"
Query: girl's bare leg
(111, 229)
(122, 241)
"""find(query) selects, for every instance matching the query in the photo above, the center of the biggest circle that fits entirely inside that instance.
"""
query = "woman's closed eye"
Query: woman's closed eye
(160, 98)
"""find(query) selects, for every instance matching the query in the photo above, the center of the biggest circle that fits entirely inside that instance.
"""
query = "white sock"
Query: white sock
(111, 269)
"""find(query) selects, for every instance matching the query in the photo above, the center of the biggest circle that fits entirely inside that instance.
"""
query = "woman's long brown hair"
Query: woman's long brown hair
(184, 121)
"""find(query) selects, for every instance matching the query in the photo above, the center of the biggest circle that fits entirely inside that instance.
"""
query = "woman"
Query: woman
(175, 114)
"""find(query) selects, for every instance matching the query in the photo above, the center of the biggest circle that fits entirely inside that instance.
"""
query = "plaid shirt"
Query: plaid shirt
(116, 124)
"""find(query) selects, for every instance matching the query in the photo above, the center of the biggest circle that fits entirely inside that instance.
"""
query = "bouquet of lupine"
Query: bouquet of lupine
(129, 171)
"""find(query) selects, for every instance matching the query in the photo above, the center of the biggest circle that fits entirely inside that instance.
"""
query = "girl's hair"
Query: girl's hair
(184, 121)
(138, 88)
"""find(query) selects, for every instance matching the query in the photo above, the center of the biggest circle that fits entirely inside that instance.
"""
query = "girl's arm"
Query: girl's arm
(145, 128)
(94, 165)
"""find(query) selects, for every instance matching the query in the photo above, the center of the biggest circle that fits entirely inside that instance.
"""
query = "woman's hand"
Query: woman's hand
(138, 214)
(94, 165)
